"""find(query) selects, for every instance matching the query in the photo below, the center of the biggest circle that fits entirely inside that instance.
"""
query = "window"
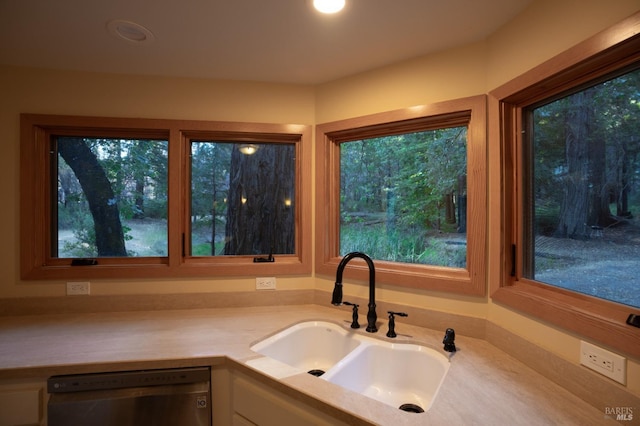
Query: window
(116, 198)
(569, 132)
(581, 210)
(111, 197)
(242, 199)
(403, 197)
(408, 188)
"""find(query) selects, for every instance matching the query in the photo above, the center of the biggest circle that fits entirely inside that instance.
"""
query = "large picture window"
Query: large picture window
(403, 197)
(408, 188)
(569, 168)
(582, 201)
(137, 198)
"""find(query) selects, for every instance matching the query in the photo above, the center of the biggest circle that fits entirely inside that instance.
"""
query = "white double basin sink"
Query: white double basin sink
(403, 375)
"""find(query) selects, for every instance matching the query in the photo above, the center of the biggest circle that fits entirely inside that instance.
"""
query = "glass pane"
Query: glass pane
(584, 195)
(403, 197)
(242, 198)
(111, 197)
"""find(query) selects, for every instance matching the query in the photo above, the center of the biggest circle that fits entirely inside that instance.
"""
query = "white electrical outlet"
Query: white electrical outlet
(78, 288)
(604, 362)
(266, 283)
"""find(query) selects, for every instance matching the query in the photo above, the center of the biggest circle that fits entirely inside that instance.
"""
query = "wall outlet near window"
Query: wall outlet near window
(604, 362)
(78, 288)
(266, 283)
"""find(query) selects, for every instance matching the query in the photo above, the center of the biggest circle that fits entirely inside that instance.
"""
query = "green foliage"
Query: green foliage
(155, 208)
(202, 249)
(209, 177)
(84, 242)
(137, 172)
(406, 247)
(393, 192)
(210, 163)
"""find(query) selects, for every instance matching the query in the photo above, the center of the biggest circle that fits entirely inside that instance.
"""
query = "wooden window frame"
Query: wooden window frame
(36, 264)
(596, 319)
(467, 111)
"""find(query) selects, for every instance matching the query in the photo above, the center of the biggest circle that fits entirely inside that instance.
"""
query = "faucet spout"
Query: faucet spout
(336, 299)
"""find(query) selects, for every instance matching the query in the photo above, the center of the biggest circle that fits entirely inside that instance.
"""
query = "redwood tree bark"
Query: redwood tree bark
(575, 206)
(259, 218)
(582, 205)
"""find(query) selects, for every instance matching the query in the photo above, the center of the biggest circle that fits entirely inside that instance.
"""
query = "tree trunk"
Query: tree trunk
(449, 208)
(391, 212)
(140, 166)
(139, 198)
(599, 212)
(462, 204)
(622, 199)
(582, 202)
(214, 187)
(260, 213)
(97, 189)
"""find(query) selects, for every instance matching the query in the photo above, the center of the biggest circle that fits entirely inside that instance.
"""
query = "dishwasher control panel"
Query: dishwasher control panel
(126, 379)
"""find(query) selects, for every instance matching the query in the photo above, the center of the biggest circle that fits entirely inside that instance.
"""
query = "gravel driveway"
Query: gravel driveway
(607, 267)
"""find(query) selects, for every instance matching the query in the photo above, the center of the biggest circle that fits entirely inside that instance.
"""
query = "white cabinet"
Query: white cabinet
(250, 402)
(22, 403)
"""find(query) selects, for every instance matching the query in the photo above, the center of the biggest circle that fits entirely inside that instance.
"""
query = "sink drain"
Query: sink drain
(411, 408)
(316, 373)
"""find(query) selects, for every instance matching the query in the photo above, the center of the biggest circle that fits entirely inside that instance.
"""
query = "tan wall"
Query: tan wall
(415, 82)
(59, 92)
(543, 30)
(533, 37)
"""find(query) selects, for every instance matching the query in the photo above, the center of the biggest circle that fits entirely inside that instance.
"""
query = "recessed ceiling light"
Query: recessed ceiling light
(130, 31)
(328, 6)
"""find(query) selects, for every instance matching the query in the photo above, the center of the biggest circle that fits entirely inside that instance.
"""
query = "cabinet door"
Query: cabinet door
(238, 420)
(22, 404)
(258, 404)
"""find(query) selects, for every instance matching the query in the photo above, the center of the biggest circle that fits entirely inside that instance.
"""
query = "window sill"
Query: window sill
(282, 266)
(448, 280)
(604, 322)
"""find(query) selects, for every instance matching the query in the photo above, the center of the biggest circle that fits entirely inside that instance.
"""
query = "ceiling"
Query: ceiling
(284, 41)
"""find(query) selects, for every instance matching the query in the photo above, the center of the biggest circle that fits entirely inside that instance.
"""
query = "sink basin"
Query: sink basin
(405, 376)
(402, 375)
(312, 346)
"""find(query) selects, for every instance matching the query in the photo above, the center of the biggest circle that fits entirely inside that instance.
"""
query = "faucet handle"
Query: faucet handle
(392, 322)
(354, 323)
(449, 340)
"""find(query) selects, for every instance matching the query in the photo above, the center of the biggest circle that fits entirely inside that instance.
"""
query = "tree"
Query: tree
(139, 161)
(210, 163)
(586, 145)
(260, 214)
(433, 176)
(577, 190)
(99, 193)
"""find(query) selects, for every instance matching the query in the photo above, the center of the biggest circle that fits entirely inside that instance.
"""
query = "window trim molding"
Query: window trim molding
(472, 111)
(596, 319)
(34, 261)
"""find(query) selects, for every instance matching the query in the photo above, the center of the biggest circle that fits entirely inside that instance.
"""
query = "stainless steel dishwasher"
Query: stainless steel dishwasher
(134, 398)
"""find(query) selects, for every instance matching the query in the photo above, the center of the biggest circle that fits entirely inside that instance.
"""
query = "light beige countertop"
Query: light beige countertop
(484, 386)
